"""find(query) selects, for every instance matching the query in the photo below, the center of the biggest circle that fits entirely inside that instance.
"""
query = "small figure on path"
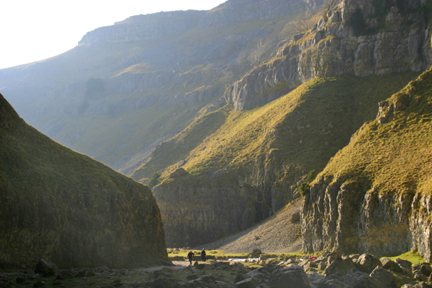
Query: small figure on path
(190, 256)
(203, 255)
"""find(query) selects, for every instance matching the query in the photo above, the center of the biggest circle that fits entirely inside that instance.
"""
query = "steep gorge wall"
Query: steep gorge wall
(63, 206)
(395, 40)
(374, 195)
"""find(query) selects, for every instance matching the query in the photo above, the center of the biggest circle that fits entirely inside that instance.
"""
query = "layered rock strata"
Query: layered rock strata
(374, 195)
(393, 38)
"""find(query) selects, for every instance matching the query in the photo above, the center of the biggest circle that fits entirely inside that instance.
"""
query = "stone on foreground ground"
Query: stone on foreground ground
(277, 273)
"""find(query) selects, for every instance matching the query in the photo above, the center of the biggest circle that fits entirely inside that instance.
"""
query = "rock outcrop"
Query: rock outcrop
(358, 37)
(59, 205)
(374, 195)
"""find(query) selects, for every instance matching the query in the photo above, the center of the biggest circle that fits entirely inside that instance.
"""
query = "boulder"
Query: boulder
(359, 279)
(65, 274)
(405, 265)
(294, 275)
(388, 264)
(239, 277)
(320, 281)
(295, 216)
(256, 253)
(163, 282)
(46, 268)
(164, 271)
(339, 265)
(206, 279)
(385, 278)
(423, 268)
(247, 283)
(367, 263)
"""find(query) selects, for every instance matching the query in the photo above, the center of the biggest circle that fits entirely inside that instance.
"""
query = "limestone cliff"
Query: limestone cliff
(374, 195)
(360, 37)
(63, 206)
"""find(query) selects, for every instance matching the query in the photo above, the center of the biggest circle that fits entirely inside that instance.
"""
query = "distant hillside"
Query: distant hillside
(375, 194)
(63, 206)
(132, 85)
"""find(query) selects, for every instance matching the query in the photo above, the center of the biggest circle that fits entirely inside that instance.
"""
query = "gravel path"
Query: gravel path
(276, 234)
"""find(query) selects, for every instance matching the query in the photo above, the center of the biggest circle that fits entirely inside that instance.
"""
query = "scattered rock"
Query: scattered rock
(46, 268)
(65, 274)
(367, 263)
(295, 276)
(239, 277)
(295, 216)
(423, 269)
(339, 265)
(256, 253)
(359, 279)
(384, 278)
(405, 265)
(388, 264)
(319, 281)
(247, 283)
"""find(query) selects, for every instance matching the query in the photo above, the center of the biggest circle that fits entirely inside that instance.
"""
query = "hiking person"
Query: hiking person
(203, 255)
(190, 256)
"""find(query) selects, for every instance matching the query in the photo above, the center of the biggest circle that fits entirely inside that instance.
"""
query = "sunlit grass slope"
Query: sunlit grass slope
(300, 130)
(394, 156)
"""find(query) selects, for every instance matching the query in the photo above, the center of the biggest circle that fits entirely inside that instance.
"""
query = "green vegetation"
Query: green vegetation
(301, 130)
(413, 256)
(154, 180)
(395, 156)
(178, 148)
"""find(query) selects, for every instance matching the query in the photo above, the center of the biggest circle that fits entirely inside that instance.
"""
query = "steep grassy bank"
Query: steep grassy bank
(253, 163)
(63, 206)
(380, 183)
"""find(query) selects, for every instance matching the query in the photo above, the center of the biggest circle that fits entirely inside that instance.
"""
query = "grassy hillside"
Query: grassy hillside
(301, 130)
(64, 206)
(393, 154)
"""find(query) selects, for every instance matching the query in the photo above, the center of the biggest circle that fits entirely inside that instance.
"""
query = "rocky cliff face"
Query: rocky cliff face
(63, 206)
(374, 195)
(360, 37)
(234, 11)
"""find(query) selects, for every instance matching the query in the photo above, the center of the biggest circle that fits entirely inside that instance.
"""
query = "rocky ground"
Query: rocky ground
(329, 270)
(277, 234)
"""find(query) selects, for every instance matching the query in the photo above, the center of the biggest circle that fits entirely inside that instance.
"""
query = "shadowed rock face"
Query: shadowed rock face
(63, 206)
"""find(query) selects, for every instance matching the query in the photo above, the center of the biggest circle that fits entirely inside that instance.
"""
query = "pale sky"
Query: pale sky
(32, 30)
